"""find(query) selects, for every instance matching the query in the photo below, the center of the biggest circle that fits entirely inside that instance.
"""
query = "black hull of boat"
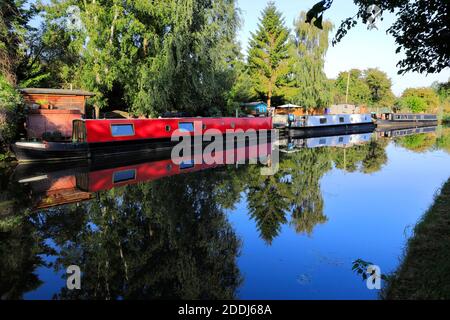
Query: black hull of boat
(331, 130)
(57, 152)
(405, 124)
(54, 153)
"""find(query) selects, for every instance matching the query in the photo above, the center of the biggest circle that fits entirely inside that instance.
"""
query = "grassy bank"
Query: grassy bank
(425, 270)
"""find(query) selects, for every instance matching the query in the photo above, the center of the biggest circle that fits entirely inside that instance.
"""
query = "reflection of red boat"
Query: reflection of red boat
(78, 182)
(107, 137)
(116, 177)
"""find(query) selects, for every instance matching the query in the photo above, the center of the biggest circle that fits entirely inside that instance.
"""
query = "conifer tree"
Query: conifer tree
(269, 53)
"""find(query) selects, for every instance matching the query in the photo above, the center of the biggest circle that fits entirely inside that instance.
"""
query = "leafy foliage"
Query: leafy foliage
(370, 87)
(359, 91)
(10, 101)
(380, 87)
(414, 104)
(310, 86)
(269, 52)
(160, 55)
(420, 30)
(13, 20)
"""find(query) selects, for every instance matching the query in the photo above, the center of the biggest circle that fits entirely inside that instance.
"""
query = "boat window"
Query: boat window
(187, 165)
(323, 120)
(186, 127)
(341, 139)
(122, 130)
(124, 176)
(79, 131)
(341, 120)
(322, 141)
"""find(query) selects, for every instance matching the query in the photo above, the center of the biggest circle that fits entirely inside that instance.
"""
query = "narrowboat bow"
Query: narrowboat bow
(92, 138)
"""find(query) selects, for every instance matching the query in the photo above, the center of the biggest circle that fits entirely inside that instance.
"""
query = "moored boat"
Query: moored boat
(318, 122)
(91, 138)
(330, 125)
(405, 120)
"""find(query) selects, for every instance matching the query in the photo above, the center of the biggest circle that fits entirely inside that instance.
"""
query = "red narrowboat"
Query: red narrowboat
(108, 137)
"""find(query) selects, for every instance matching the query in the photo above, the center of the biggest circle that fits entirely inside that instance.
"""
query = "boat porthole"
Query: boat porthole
(168, 128)
(169, 168)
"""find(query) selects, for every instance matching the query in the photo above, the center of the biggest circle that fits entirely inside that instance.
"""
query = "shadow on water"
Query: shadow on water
(149, 229)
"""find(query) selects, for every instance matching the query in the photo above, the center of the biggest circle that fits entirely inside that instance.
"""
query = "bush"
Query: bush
(10, 101)
(446, 119)
(414, 104)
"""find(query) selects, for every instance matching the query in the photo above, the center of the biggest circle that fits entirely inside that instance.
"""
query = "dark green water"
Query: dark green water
(222, 232)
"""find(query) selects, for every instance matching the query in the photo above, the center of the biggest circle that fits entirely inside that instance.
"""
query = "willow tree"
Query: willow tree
(310, 46)
(157, 56)
(13, 20)
(269, 53)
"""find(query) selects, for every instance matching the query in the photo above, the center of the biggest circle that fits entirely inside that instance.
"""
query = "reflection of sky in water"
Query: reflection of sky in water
(369, 217)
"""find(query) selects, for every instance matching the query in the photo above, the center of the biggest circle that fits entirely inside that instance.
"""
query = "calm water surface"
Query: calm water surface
(223, 232)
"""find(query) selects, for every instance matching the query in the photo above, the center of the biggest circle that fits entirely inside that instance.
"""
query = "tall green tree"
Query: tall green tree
(380, 87)
(269, 53)
(13, 21)
(310, 45)
(158, 56)
(358, 90)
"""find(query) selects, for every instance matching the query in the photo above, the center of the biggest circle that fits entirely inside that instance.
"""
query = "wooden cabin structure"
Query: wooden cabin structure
(50, 112)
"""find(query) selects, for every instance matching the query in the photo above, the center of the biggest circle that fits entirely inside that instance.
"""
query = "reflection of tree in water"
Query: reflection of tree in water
(20, 251)
(268, 201)
(296, 187)
(308, 167)
(443, 141)
(417, 143)
(367, 158)
(163, 239)
(20, 244)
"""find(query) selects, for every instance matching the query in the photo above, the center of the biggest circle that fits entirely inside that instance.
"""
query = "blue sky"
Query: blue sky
(360, 49)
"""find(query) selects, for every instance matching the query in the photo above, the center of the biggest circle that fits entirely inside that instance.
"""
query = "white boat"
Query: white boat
(323, 121)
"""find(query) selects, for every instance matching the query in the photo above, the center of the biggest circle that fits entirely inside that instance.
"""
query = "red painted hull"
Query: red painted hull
(104, 179)
(99, 131)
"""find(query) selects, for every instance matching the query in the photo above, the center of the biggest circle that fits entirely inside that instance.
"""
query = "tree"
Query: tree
(269, 52)
(421, 30)
(380, 87)
(358, 93)
(310, 45)
(421, 99)
(158, 56)
(10, 101)
(13, 21)
(414, 104)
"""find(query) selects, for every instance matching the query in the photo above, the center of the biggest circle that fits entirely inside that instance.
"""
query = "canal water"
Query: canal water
(152, 231)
